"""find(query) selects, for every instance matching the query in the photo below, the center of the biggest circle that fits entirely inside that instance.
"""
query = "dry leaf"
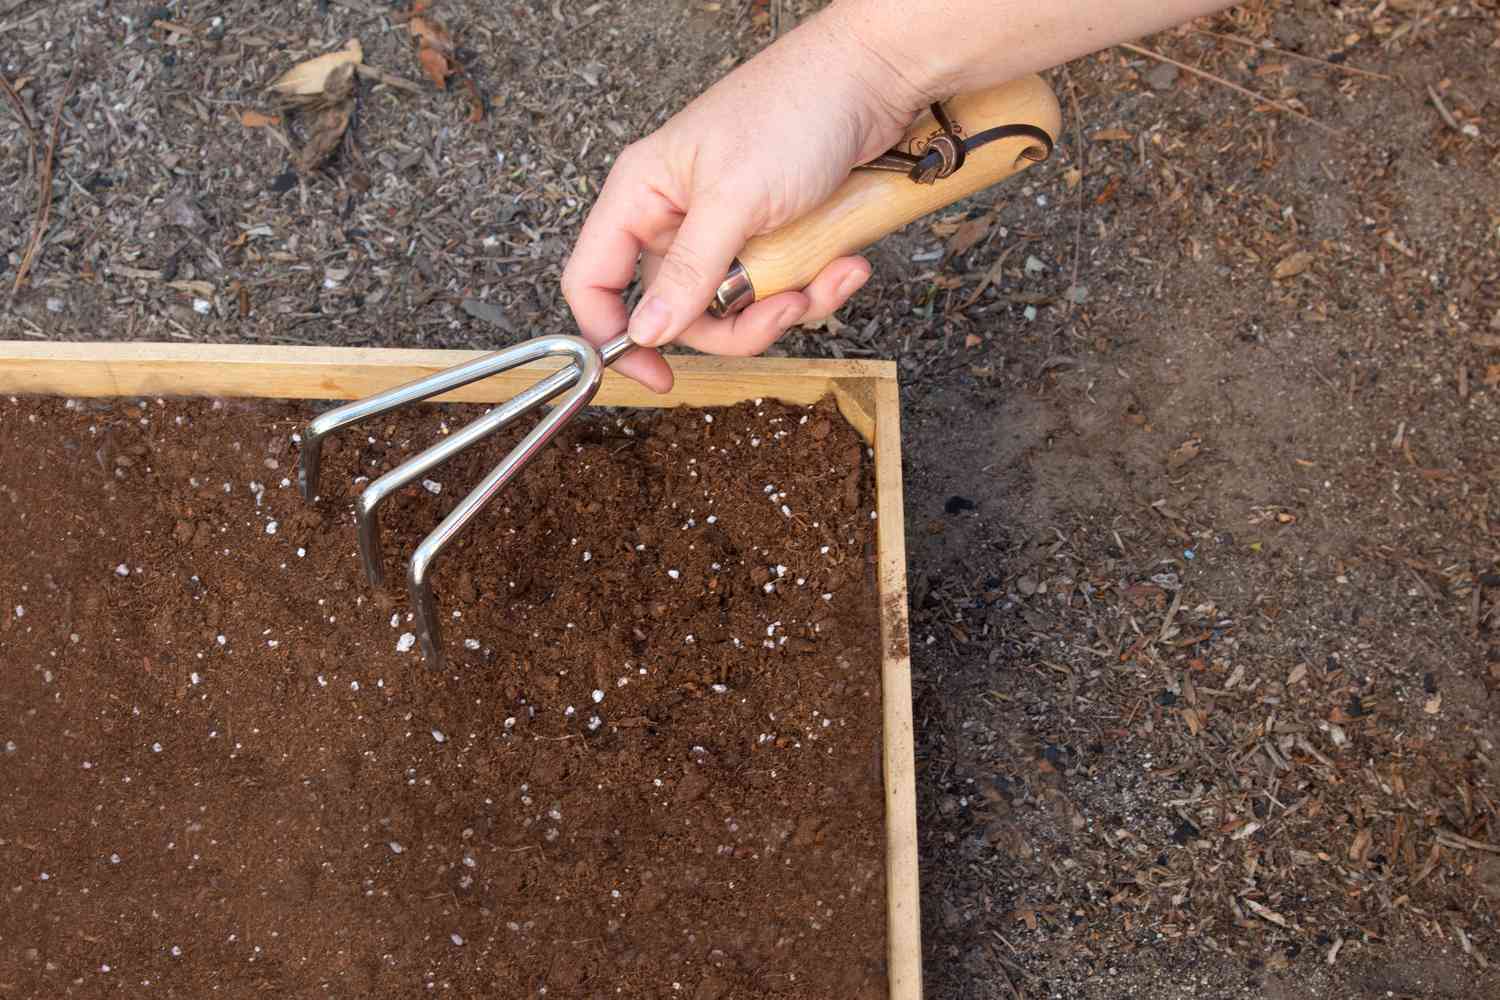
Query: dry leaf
(1112, 135)
(431, 34)
(1071, 177)
(435, 65)
(476, 103)
(311, 77)
(1492, 376)
(1193, 719)
(972, 341)
(255, 119)
(1294, 265)
(327, 132)
(968, 234)
(1184, 453)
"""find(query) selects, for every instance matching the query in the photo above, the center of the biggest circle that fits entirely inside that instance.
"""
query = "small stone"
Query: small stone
(1162, 77)
(55, 305)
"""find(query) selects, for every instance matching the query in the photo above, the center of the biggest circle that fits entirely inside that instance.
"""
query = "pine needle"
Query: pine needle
(1249, 43)
(1263, 99)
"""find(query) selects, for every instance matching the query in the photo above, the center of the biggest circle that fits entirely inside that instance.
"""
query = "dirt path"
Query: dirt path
(1205, 568)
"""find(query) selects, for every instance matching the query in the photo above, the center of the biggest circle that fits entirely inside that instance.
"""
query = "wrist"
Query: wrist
(908, 68)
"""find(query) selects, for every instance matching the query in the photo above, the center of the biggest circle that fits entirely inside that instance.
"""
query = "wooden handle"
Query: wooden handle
(872, 203)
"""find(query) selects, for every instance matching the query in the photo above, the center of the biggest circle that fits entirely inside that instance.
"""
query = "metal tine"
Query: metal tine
(589, 363)
(367, 506)
(362, 409)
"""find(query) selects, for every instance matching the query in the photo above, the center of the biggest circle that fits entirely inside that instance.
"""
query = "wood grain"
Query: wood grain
(871, 204)
(903, 912)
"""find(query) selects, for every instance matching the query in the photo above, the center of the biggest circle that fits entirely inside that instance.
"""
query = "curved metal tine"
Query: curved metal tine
(367, 507)
(591, 370)
(362, 409)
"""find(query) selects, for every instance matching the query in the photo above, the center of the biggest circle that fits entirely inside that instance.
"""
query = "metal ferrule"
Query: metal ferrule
(735, 293)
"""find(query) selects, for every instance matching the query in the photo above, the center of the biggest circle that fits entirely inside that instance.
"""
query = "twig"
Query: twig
(1449, 839)
(12, 6)
(1078, 228)
(1272, 102)
(1248, 43)
(1442, 109)
(44, 206)
(389, 79)
(22, 114)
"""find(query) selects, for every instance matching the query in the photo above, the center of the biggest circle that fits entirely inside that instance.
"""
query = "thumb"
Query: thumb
(689, 274)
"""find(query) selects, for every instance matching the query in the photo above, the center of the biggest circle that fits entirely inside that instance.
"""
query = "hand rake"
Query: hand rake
(959, 148)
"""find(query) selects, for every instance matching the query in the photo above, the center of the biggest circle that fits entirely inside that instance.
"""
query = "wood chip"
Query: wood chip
(1293, 265)
(256, 119)
(1112, 135)
(1264, 912)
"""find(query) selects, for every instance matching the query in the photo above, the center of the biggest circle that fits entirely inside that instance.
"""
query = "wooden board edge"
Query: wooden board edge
(293, 372)
(903, 888)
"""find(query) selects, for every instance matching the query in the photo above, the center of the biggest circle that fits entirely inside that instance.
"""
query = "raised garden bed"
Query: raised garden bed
(671, 753)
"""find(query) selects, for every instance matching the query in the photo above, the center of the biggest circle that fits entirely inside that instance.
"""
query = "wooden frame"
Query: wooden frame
(866, 393)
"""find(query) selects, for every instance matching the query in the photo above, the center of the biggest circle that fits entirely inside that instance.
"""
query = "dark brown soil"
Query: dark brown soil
(651, 769)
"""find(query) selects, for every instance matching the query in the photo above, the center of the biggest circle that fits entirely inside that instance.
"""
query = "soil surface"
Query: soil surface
(1201, 430)
(650, 768)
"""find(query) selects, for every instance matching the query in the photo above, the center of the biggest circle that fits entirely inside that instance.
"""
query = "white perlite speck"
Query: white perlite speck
(176, 951)
(271, 528)
(20, 611)
(456, 939)
(673, 574)
(471, 644)
(195, 678)
(395, 847)
(406, 642)
(395, 619)
(437, 734)
(114, 859)
(595, 722)
(598, 696)
(122, 570)
(432, 487)
(156, 748)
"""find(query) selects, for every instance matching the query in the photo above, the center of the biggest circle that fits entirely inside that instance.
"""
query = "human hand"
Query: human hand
(763, 146)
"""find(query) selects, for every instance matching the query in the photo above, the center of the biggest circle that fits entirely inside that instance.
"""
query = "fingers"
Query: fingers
(700, 255)
(628, 217)
(754, 329)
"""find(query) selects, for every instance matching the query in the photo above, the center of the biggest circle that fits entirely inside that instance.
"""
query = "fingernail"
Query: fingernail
(852, 284)
(649, 323)
(790, 316)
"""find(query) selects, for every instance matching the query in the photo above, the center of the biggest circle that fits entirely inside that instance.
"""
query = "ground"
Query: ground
(1201, 490)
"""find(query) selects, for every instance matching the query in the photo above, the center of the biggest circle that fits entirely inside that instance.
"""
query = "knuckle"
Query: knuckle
(684, 265)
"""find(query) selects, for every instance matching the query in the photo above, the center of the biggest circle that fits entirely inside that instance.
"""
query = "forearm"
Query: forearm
(943, 47)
